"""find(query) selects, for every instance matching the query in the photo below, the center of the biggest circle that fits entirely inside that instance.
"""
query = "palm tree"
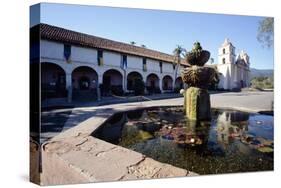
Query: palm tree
(133, 43)
(178, 52)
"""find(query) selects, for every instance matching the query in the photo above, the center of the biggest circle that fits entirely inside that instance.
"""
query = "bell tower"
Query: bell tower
(226, 64)
(226, 53)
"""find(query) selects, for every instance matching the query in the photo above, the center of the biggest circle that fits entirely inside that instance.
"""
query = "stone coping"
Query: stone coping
(74, 156)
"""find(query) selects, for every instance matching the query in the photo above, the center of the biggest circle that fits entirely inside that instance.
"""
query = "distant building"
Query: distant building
(235, 70)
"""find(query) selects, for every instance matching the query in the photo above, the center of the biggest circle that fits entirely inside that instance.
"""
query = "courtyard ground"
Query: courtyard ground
(56, 121)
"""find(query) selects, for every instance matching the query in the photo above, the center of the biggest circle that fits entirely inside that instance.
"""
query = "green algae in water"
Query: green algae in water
(232, 142)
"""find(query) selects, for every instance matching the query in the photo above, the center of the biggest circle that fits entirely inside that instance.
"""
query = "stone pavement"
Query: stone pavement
(245, 101)
(74, 156)
(108, 100)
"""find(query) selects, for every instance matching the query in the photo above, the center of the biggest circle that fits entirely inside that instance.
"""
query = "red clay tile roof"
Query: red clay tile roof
(54, 33)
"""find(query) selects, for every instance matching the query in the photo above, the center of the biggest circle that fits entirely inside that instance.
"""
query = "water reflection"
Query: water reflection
(112, 130)
(232, 142)
(231, 125)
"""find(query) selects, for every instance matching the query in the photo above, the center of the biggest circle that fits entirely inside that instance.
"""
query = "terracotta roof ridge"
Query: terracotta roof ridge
(102, 38)
(56, 33)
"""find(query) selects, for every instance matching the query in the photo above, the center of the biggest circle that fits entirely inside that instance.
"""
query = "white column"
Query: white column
(100, 81)
(124, 82)
(160, 84)
(173, 84)
(69, 87)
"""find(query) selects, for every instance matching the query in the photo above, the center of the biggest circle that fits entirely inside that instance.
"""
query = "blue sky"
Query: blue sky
(163, 30)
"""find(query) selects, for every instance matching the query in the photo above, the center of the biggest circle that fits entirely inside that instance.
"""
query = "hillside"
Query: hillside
(261, 73)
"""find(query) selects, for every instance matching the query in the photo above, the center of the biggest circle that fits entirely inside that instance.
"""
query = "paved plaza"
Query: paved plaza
(56, 121)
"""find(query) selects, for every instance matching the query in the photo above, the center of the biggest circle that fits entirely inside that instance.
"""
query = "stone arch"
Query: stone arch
(131, 77)
(179, 83)
(167, 82)
(53, 81)
(84, 78)
(152, 83)
(112, 82)
(84, 83)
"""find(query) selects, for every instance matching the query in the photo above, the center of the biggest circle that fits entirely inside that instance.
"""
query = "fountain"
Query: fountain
(205, 147)
(197, 77)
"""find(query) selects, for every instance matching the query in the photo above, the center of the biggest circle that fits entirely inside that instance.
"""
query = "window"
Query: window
(174, 66)
(223, 51)
(100, 57)
(67, 51)
(144, 64)
(223, 60)
(124, 61)
(160, 64)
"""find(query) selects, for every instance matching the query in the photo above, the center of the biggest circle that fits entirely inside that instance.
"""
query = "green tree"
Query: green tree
(143, 46)
(266, 32)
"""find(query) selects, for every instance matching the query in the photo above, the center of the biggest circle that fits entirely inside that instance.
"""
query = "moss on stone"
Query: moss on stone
(197, 104)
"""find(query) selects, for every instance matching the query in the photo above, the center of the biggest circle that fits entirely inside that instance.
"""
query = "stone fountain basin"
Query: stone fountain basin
(197, 76)
(75, 156)
(200, 60)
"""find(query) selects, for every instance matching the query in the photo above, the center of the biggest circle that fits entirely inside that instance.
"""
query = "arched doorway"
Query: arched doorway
(167, 83)
(84, 83)
(112, 83)
(242, 85)
(53, 81)
(152, 83)
(131, 79)
(178, 84)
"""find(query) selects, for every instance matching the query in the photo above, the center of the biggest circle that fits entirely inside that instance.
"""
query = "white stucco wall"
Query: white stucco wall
(79, 56)
(112, 58)
(84, 55)
(134, 62)
(232, 75)
(225, 79)
(167, 67)
(51, 49)
(152, 65)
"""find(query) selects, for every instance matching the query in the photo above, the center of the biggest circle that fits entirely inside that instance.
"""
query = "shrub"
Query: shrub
(177, 89)
(152, 90)
(117, 90)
